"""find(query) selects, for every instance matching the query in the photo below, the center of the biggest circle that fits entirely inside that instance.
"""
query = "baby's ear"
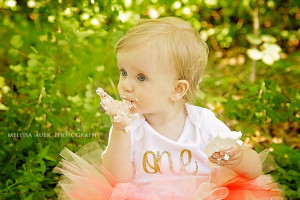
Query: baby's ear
(179, 90)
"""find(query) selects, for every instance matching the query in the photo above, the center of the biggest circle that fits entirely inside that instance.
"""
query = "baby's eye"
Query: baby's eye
(141, 77)
(123, 72)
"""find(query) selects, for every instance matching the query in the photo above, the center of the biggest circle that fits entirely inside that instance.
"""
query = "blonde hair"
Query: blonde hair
(176, 39)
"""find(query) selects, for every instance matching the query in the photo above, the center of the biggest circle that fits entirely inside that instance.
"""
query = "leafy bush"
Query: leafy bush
(264, 102)
(288, 171)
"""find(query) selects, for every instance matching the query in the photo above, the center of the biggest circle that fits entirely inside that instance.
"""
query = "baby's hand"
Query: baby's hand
(229, 158)
(119, 111)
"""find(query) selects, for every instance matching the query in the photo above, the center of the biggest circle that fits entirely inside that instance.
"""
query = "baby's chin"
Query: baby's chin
(132, 108)
(133, 111)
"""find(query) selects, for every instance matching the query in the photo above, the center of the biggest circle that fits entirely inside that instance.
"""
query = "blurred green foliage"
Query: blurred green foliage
(54, 54)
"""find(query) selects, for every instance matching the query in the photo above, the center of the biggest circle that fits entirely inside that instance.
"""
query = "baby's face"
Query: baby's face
(145, 80)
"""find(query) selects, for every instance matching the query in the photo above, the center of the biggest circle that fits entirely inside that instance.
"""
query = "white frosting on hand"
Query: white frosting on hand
(100, 91)
(118, 110)
(223, 141)
(226, 156)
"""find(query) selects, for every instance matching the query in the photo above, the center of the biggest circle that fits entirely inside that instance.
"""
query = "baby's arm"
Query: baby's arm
(117, 158)
(242, 160)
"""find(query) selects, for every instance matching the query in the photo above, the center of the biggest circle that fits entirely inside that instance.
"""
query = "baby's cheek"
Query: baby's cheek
(119, 88)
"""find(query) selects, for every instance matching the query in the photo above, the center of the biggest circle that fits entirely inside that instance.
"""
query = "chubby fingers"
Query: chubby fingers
(216, 158)
(234, 150)
(102, 94)
(232, 162)
(107, 102)
(227, 158)
(126, 105)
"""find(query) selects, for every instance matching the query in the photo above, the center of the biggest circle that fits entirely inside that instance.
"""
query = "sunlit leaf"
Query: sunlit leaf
(268, 58)
(33, 56)
(253, 39)
(49, 158)
(204, 35)
(33, 63)
(62, 42)
(254, 54)
(16, 68)
(3, 107)
(29, 197)
(2, 81)
(83, 34)
(16, 41)
(271, 47)
(13, 52)
(44, 151)
(268, 38)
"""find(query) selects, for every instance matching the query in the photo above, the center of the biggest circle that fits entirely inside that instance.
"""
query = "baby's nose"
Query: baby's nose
(126, 85)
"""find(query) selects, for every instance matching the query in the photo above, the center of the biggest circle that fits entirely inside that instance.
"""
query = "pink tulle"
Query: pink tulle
(170, 188)
(84, 179)
(260, 188)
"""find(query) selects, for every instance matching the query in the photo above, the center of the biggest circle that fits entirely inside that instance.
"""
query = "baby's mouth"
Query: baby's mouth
(126, 99)
(131, 102)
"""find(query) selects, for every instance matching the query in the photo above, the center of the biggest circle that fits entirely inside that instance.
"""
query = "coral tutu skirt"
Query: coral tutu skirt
(85, 179)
